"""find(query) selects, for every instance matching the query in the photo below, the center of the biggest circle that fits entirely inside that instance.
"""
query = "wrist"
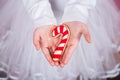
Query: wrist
(77, 23)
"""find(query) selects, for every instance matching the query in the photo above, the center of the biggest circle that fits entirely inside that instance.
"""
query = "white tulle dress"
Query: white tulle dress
(19, 59)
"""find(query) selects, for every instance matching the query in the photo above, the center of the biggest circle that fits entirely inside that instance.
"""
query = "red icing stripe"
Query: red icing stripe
(56, 56)
(66, 32)
(56, 31)
(61, 28)
(63, 41)
(59, 48)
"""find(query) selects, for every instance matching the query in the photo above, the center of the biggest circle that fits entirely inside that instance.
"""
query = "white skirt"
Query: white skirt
(20, 61)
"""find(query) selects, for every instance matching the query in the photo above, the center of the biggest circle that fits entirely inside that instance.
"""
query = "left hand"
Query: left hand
(76, 29)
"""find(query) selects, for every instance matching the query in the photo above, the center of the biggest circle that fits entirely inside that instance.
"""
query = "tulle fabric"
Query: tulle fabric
(95, 61)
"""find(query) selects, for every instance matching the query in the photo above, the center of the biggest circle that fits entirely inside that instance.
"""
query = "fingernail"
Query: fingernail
(90, 41)
(62, 65)
(52, 64)
(56, 63)
(37, 48)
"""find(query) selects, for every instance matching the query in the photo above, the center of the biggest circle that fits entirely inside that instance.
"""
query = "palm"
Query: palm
(42, 39)
(76, 29)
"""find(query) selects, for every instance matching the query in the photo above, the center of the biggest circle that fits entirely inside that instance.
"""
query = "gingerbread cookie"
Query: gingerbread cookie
(59, 50)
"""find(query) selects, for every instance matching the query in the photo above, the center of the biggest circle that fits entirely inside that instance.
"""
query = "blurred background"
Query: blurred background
(117, 2)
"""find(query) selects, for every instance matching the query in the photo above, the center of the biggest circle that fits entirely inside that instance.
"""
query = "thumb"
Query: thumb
(36, 39)
(86, 35)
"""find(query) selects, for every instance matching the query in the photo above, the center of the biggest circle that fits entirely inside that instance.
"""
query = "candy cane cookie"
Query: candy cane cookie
(65, 32)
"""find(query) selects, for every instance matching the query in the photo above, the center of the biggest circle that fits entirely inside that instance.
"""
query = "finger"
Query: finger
(47, 55)
(86, 35)
(36, 40)
(67, 55)
(56, 63)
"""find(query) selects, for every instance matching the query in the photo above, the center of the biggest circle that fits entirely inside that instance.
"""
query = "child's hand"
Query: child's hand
(76, 29)
(42, 39)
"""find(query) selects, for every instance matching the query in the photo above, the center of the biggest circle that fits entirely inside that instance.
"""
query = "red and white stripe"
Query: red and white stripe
(62, 29)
